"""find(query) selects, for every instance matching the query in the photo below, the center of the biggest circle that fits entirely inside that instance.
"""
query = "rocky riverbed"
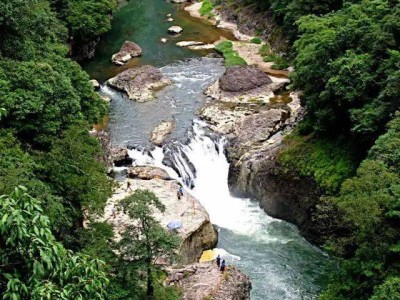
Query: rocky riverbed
(253, 110)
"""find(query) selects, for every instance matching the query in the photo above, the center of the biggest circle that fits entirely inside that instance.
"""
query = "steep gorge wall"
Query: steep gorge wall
(281, 193)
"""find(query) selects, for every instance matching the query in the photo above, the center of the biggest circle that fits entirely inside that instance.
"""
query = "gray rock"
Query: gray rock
(243, 78)
(96, 84)
(159, 134)
(139, 83)
(147, 173)
(205, 281)
(127, 52)
(120, 157)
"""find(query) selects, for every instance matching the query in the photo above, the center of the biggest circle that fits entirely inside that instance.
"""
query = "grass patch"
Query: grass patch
(328, 161)
(206, 9)
(256, 40)
(280, 62)
(232, 58)
(264, 50)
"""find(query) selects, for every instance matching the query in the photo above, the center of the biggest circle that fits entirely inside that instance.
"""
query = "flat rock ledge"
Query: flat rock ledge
(160, 133)
(140, 83)
(197, 233)
(205, 281)
(128, 51)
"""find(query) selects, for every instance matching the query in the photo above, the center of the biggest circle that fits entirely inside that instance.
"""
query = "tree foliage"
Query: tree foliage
(145, 241)
(348, 67)
(33, 265)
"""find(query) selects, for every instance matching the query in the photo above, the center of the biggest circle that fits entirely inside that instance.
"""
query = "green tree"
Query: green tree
(33, 265)
(145, 240)
(347, 64)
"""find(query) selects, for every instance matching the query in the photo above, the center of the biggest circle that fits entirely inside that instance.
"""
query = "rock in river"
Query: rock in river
(139, 83)
(175, 29)
(127, 52)
(243, 78)
(159, 133)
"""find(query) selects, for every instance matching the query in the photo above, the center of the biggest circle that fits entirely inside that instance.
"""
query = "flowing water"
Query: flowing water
(280, 263)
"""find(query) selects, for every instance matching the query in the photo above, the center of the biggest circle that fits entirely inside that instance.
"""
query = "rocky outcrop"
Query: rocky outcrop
(245, 84)
(120, 157)
(197, 233)
(128, 51)
(160, 133)
(281, 192)
(205, 281)
(147, 173)
(139, 83)
(243, 78)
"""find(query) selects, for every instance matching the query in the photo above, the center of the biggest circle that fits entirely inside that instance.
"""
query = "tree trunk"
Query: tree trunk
(150, 287)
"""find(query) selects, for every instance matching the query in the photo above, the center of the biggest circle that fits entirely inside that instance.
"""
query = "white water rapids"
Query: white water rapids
(281, 264)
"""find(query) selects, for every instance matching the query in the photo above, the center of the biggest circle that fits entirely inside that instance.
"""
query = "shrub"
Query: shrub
(256, 40)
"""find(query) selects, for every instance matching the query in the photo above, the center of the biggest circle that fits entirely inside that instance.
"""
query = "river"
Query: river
(281, 264)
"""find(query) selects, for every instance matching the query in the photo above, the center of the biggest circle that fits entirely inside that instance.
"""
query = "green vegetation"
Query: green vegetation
(328, 161)
(207, 8)
(232, 58)
(154, 242)
(33, 265)
(256, 40)
(280, 63)
(348, 68)
(368, 204)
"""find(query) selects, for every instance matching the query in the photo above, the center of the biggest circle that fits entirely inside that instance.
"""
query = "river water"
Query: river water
(280, 263)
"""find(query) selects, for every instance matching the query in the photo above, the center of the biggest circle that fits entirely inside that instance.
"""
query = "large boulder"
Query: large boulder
(127, 52)
(147, 173)
(243, 78)
(139, 83)
(197, 233)
(205, 281)
(159, 134)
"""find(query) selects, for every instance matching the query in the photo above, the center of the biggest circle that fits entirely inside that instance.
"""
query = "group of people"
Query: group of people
(220, 265)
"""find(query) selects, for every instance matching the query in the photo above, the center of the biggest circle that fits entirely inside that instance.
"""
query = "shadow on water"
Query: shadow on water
(144, 22)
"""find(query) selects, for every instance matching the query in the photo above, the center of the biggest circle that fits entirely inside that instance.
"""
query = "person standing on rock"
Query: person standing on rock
(223, 266)
(218, 261)
(181, 191)
(128, 186)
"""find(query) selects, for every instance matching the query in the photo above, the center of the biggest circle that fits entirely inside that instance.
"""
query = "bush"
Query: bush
(206, 9)
(256, 40)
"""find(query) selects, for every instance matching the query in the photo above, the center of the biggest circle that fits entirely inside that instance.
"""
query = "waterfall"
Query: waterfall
(202, 164)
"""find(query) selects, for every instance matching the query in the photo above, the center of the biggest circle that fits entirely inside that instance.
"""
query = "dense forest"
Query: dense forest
(49, 175)
(347, 65)
(346, 56)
